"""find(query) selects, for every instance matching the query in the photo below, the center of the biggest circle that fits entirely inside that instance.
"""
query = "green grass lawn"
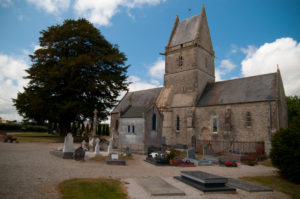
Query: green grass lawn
(38, 137)
(277, 183)
(92, 188)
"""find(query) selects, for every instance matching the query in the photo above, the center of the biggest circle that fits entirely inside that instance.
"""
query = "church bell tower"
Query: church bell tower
(189, 62)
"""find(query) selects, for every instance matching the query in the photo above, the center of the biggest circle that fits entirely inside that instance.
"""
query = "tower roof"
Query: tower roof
(192, 29)
(186, 30)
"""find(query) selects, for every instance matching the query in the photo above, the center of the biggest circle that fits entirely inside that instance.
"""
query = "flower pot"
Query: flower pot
(171, 162)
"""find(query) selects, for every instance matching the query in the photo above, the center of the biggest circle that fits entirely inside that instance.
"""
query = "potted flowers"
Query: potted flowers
(171, 156)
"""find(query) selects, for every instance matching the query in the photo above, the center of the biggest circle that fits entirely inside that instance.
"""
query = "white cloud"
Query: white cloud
(249, 51)
(218, 74)
(138, 84)
(51, 6)
(285, 52)
(12, 71)
(101, 11)
(6, 3)
(225, 67)
(158, 69)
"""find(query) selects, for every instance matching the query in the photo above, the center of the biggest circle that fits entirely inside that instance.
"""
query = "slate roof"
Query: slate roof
(186, 30)
(133, 112)
(243, 90)
(140, 100)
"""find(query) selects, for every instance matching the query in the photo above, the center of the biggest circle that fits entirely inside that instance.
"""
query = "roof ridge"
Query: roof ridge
(145, 89)
(244, 78)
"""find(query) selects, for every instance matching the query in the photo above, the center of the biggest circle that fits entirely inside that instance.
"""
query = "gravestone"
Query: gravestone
(151, 149)
(191, 153)
(97, 147)
(156, 156)
(68, 149)
(127, 151)
(83, 144)
(114, 156)
(79, 153)
(205, 182)
(91, 144)
(114, 160)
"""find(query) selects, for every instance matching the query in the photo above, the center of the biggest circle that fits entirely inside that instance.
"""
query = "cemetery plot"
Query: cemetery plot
(159, 187)
(247, 186)
(114, 160)
(204, 181)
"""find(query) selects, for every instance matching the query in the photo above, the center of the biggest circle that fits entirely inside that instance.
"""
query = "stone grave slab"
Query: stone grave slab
(205, 182)
(159, 187)
(247, 186)
(114, 160)
(201, 162)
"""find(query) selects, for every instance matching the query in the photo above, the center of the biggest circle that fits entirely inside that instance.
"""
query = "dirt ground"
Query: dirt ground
(27, 170)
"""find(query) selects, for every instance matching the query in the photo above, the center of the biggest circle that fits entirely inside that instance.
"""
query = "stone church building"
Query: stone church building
(193, 108)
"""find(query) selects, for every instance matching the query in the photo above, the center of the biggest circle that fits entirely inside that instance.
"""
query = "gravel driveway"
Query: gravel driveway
(27, 170)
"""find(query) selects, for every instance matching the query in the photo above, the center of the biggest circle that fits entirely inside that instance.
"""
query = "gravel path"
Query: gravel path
(27, 170)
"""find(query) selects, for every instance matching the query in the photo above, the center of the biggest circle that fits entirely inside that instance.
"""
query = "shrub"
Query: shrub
(285, 153)
(251, 161)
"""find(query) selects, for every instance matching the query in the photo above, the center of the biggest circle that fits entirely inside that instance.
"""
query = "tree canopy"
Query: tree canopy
(75, 71)
(293, 103)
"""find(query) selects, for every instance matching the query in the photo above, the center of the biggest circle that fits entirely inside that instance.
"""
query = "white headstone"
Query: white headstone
(68, 145)
(114, 156)
(109, 150)
(83, 144)
(91, 142)
(97, 148)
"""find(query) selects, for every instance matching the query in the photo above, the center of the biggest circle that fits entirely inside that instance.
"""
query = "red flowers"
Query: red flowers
(230, 164)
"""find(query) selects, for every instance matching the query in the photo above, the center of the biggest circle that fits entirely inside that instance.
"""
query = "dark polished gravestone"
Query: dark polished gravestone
(204, 181)
(159, 160)
(79, 154)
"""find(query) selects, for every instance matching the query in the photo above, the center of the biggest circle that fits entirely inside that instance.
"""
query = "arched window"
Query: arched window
(128, 128)
(215, 123)
(248, 119)
(154, 122)
(177, 123)
(132, 128)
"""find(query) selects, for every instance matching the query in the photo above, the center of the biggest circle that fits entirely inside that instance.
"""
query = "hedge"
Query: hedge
(22, 127)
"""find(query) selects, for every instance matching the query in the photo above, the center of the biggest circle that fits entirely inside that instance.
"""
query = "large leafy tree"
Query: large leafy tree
(75, 71)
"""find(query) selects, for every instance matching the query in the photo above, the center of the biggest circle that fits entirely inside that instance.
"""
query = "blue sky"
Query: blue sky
(249, 37)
